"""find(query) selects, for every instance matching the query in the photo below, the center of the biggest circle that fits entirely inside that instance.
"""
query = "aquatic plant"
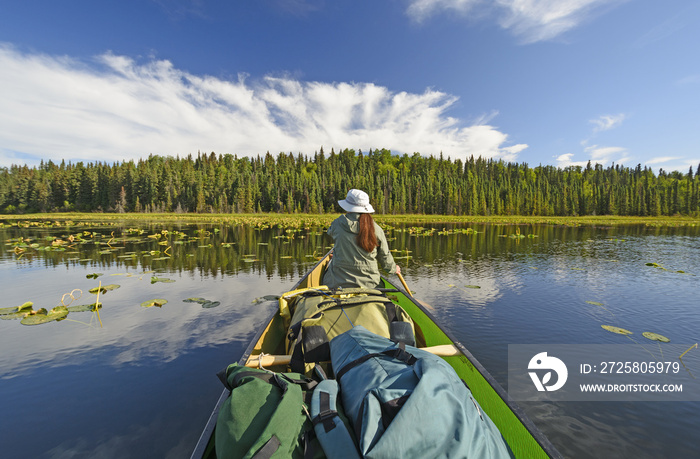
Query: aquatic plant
(618, 330)
(206, 304)
(103, 289)
(164, 280)
(42, 316)
(655, 337)
(17, 312)
(158, 302)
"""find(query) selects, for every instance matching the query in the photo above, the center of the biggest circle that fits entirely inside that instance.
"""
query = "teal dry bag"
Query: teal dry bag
(331, 431)
(405, 402)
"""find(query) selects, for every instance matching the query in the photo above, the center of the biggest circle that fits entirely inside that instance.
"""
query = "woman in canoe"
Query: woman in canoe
(359, 244)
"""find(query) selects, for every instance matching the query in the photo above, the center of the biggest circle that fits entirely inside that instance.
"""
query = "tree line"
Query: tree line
(407, 184)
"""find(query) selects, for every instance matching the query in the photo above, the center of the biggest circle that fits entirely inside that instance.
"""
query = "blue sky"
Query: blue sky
(555, 82)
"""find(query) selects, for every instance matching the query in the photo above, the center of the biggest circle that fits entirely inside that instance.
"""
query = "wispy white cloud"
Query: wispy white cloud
(530, 20)
(673, 163)
(596, 155)
(663, 159)
(606, 154)
(116, 109)
(607, 122)
(567, 160)
(420, 10)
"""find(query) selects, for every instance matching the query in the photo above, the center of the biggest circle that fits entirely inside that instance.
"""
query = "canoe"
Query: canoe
(521, 434)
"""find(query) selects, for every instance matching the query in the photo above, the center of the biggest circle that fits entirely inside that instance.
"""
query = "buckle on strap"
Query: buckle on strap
(401, 354)
(325, 415)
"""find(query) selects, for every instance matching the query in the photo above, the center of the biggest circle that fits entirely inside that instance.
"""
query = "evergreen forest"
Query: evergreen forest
(288, 183)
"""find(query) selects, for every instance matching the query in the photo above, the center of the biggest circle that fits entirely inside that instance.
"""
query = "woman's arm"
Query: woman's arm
(383, 255)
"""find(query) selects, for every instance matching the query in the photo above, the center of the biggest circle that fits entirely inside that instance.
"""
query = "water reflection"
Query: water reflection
(145, 382)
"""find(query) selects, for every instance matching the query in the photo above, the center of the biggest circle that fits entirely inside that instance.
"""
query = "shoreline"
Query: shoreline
(296, 220)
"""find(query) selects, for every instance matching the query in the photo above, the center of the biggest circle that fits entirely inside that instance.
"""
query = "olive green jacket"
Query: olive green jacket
(352, 266)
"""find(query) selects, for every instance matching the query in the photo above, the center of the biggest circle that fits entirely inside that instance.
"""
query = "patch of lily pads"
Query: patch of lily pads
(206, 304)
(647, 335)
(29, 316)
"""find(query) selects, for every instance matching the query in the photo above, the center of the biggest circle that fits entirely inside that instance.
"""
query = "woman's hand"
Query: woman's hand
(398, 269)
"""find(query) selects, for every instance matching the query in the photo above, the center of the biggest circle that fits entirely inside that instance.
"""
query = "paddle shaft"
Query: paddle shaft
(403, 282)
(444, 350)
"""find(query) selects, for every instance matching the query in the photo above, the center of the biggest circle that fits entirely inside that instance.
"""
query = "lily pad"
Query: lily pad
(618, 330)
(206, 304)
(656, 337)
(165, 280)
(656, 265)
(26, 307)
(104, 289)
(93, 275)
(266, 298)
(85, 307)
(472, 286)
(42, 317)
(594, 303)
(15, 315)
(158, 302)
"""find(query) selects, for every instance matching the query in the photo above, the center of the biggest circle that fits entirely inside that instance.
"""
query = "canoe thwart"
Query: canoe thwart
(267, 360)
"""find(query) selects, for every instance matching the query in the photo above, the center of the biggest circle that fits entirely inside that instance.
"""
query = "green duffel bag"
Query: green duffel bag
(266, 416)
(319, 316)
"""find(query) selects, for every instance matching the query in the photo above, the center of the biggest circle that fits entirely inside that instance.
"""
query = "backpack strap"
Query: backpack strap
(279, 380)
(331, 431)
(268, 448)
(311, 343)
(398, 353)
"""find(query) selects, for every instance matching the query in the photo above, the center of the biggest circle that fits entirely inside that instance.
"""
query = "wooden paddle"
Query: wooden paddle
(408, 290)
(444, 350)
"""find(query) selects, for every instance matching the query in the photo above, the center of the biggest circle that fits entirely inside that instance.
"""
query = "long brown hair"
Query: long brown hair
(366, 237)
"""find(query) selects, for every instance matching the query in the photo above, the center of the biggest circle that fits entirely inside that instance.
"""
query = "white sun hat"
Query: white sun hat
(357, 201)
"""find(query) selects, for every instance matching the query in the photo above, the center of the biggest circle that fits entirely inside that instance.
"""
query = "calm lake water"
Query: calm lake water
(143, 383)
